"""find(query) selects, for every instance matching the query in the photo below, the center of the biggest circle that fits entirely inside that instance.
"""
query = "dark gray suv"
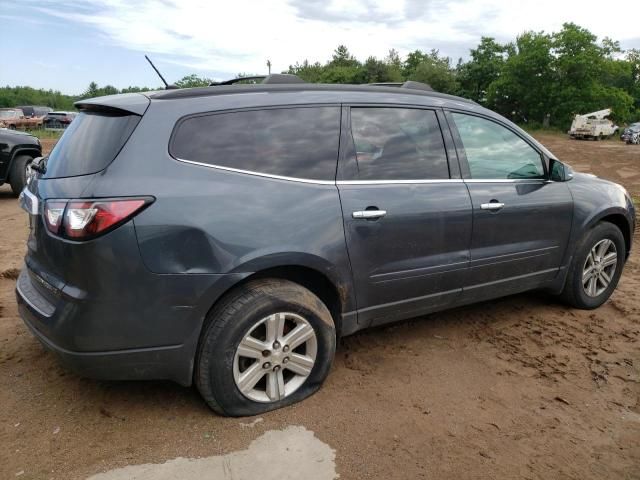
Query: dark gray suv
(228, 235)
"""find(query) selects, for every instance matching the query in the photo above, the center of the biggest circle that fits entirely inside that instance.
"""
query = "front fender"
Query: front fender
(596, 199)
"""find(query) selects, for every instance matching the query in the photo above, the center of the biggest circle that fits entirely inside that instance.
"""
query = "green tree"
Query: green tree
(308, 72)
(580, 63)
(412, 61)
(485, 66)
(343, 58)
(524, 90)
(91, 91)
(435, 71)
(192, 81)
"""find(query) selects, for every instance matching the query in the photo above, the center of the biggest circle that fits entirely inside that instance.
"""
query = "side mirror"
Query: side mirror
(559, 172)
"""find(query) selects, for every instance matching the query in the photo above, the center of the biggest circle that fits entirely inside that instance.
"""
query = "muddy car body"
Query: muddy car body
(243, 229)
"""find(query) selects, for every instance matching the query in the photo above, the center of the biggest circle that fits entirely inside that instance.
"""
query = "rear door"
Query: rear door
(407, 214)
(521, 220)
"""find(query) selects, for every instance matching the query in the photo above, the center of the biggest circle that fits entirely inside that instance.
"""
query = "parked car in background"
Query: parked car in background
(59, 120)
(14, 118)
(628, 132)
(230, 235)
(17, 151)
(34, 110)
(594, 125)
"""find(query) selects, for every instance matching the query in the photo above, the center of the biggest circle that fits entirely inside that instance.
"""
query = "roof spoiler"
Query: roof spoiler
(135, 103)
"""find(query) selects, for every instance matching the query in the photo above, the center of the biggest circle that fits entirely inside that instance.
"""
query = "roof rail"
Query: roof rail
(274, 78)
(417, 86)
(408, 84)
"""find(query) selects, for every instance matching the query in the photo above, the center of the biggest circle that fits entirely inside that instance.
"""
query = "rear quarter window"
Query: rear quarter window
(297, 142)
(90, 143)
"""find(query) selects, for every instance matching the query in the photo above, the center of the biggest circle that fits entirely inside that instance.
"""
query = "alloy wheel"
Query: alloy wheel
(275, 357)
(599, 267)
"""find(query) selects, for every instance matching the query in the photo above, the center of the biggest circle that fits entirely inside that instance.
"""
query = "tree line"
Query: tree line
(538, 79)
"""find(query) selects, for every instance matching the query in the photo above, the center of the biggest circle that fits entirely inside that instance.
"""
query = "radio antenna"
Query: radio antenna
(166, 85)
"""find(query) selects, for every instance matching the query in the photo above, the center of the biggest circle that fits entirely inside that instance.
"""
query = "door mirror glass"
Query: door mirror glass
(559, 172)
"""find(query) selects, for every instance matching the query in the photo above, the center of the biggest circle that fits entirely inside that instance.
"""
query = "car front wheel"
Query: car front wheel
(596, 267)
(265, 346)
(20, 171)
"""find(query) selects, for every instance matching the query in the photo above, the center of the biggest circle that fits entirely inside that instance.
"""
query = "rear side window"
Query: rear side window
(90, 143)
(398, 144)
(289, 142)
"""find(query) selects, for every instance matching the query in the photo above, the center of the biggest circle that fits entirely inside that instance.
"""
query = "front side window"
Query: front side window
(494, 152)
(398, 144)
(290, 142)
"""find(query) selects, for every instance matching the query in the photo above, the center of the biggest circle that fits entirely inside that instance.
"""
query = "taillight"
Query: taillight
(53, 214)
(85, 219)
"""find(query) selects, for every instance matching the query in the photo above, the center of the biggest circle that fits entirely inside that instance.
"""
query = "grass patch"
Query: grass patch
(533, 129)
(41, 133)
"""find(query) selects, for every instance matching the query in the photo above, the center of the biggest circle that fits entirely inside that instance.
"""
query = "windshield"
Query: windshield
(7, 113)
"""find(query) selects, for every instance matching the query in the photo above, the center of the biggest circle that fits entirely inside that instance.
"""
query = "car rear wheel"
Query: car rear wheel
(596, 267)
(266, 345)
(20, 171)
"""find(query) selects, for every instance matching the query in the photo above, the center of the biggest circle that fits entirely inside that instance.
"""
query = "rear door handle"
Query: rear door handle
(492, 205)
(369, 214)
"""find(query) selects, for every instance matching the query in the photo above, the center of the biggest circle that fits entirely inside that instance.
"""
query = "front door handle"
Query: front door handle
(369, 214)
(493, 205)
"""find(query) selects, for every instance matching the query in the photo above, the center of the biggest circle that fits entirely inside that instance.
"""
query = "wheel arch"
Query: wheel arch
(620, 221)
(328, 287)
(26, 150)
(617, 216)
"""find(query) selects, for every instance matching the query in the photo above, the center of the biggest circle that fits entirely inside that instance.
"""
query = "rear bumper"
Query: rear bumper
(56, 324)
(171, 363)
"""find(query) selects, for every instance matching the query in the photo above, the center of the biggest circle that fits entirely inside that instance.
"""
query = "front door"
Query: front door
(521, 220)
(407, 221)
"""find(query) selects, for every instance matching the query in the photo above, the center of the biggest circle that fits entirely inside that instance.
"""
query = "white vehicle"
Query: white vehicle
(594, 125)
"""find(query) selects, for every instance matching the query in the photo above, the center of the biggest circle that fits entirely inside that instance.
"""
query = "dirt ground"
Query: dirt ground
(521, 387)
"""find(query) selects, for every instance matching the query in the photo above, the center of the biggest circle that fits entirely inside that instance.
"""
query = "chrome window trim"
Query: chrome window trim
(507, 180)
(401, 182)
(258, 174)
(364, 182)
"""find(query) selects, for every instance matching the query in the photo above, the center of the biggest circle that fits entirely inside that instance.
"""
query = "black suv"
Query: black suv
(17, 151)
(228, 235)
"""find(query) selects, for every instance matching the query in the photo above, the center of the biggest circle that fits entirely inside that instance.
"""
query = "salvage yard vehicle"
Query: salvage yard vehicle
(58, 120)
(629, 132)
(229, 235)
(14, 118)
(34, 110)
(594, 125)
(17, 151)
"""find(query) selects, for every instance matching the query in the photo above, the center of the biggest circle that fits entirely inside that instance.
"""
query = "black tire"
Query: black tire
(234, 316)
(574, 292)
(18, 173)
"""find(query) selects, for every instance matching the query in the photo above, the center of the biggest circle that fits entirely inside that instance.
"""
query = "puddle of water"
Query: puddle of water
(292, 453)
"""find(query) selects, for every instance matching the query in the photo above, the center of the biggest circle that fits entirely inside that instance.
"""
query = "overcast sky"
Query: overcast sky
(65, 44)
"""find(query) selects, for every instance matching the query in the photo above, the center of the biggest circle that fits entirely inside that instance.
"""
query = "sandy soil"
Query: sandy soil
(522, 387)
